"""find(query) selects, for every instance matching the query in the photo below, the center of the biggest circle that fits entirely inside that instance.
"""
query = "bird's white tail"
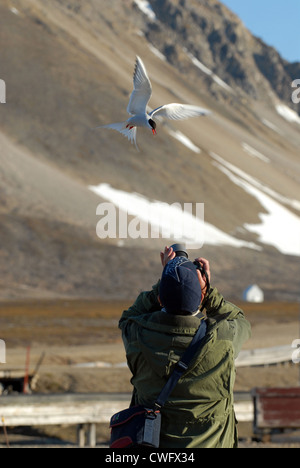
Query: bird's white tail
(125, 129)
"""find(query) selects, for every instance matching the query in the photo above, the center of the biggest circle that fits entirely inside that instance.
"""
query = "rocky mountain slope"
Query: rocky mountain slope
(218, 38)
(68, 67)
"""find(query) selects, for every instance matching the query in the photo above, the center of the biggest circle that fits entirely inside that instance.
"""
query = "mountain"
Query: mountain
(219, 40)
(68, 68)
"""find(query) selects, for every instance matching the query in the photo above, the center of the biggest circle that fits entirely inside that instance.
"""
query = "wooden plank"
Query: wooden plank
(244, 411)
(277, 407)
(264, 356)
(34, 410)
(13, 374)
(292, 392)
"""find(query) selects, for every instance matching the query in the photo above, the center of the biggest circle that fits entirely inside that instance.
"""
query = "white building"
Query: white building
(253, 294)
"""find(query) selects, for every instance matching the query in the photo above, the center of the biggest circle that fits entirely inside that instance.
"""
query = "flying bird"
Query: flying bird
(137, 107)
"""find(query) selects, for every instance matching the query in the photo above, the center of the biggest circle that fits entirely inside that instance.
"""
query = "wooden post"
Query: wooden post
(26, 376)
(92, 435)
(80, 435)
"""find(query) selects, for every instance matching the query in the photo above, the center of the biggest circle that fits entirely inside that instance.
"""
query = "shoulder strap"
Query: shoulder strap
(182, 365)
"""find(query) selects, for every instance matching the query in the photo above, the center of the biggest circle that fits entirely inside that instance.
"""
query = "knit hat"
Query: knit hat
(180, 290)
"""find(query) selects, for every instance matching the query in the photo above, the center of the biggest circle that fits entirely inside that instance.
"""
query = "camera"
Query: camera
(199, 267)
(180, 251)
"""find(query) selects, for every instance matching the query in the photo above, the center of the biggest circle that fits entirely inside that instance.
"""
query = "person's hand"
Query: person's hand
(202, 278)
(167, 255)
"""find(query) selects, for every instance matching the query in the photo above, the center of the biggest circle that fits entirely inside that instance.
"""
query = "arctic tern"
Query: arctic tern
(137, 107)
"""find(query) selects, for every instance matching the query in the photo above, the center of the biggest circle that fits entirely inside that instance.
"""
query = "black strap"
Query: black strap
(182, 365)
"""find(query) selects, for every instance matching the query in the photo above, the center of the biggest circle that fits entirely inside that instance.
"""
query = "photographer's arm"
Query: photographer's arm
(235, 327)
(212, 300)
(146, 302)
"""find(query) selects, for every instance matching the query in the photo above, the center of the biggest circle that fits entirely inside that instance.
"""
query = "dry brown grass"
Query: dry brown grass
(82, 322)
(59, 322)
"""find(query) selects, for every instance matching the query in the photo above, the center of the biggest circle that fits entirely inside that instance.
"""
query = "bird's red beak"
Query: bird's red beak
(154, 131)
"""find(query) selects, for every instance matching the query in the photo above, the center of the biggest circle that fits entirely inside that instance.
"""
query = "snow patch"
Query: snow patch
(273, 127)
(279, 227)
(157, 53)
(146, 8)
(288, 114)
(185, 141)
(209, 72)
(167, 218)
(254, 153)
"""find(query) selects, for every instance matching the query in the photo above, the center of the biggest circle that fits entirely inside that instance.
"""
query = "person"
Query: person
(157, 329)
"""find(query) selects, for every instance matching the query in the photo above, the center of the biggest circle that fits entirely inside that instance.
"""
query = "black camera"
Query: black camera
(180, 251)
(199, 267)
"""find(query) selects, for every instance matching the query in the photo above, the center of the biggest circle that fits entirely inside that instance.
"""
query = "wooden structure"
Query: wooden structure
(83, 410)
(20, 380)
(264, 356)
(276, 409)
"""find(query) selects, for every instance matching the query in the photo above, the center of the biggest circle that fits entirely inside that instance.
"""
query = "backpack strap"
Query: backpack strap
(182, 365)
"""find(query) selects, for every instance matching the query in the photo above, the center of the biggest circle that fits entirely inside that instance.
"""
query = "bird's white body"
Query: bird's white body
(139, 120)
(137, 107)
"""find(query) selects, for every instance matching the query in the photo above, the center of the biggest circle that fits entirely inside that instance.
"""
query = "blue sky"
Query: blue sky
(276, 22)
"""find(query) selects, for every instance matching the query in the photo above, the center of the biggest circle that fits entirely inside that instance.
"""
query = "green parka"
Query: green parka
(199, 412)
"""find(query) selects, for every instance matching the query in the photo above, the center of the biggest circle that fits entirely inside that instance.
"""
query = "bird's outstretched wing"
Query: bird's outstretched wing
(179, 111)
(142, 89)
